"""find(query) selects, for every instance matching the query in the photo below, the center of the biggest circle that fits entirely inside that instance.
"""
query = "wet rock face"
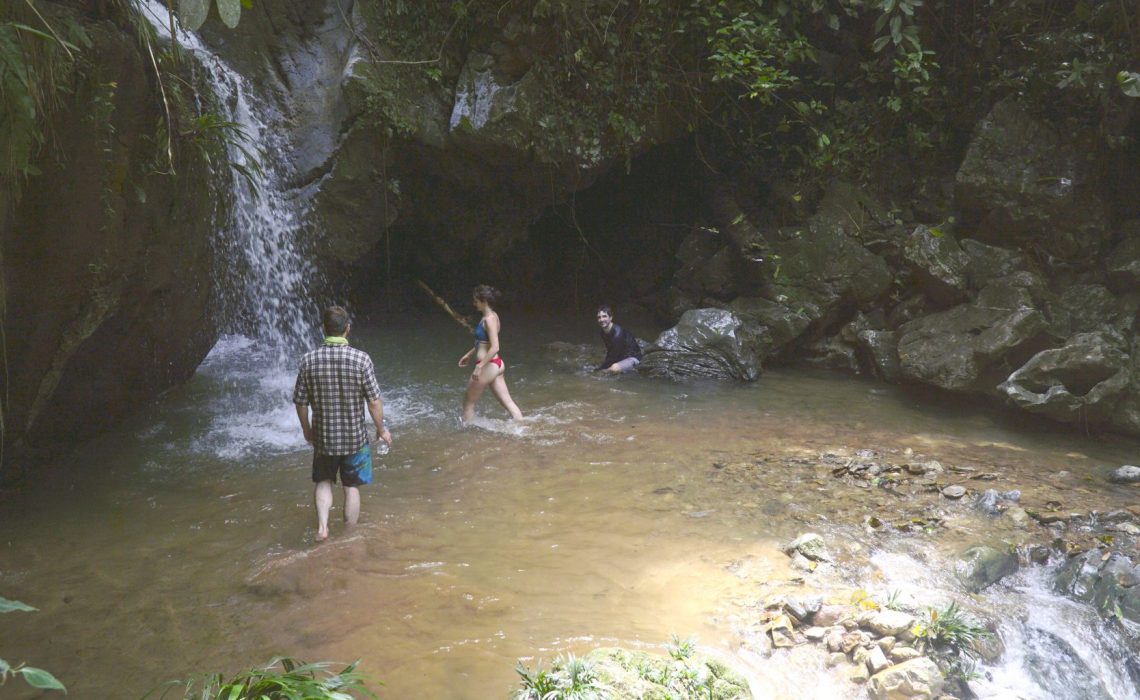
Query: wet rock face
(970, 347)
(704, 343)
(1081, 381)
(1024, 181)
(1111, 585)
(106, 265)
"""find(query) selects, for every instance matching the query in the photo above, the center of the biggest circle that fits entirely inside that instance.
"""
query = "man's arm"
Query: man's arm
(376, 410)
(303, 417)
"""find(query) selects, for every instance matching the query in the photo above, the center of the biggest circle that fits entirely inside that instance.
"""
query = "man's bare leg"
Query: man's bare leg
(322, 498)
(351, 505)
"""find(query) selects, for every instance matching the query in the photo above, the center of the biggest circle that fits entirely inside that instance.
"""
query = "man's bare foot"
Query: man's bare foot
(322, 536)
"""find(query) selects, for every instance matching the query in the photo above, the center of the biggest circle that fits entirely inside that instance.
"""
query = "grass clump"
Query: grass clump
(569, 678)
(283, 678)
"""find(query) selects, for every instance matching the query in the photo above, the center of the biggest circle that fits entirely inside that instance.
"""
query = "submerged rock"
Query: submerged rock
(1128, 474)
(810, 546)
(982, 565)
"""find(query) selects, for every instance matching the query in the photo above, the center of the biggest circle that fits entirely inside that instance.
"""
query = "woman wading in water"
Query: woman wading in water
(489, 367)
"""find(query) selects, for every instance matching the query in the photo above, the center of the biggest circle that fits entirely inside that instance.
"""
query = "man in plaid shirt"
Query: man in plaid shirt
(335, 379)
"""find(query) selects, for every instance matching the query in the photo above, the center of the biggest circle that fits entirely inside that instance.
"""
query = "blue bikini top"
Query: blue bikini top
(481, 333)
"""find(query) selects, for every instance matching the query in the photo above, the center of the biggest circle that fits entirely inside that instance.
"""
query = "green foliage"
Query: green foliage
(681, 650)
(951, 631)
(569, 678)
(283, 678)
(193, 13)
(37, 68)
(35, 677)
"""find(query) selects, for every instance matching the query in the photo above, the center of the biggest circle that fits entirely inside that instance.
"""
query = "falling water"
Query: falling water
(263, 277)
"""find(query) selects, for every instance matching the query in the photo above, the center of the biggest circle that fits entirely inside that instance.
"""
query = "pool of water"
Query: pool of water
(615, 513)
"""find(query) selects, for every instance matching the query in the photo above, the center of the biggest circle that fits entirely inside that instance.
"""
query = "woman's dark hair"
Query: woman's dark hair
(486, 293)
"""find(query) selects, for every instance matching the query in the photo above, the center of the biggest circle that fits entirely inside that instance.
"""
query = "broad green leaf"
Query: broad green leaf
(247, 4)
(230, 12)
(39, 678)
(192, 13)
(14, 605)
(1129, 82)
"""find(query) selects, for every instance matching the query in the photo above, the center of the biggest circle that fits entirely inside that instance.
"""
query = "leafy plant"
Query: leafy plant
(283, 678)
(681, 650)
(569, 678)
(35, 677)
(193, 13)
(951, 631)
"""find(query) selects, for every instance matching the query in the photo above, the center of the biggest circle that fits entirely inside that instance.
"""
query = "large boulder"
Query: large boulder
(107, 264)
(1109, 584)
(704, 343)
(939, 265)
(1124, 262)
(969, 348)
(1024, 181)
(822, 269)
(1079, 382)
(985, 263)
(917, 679)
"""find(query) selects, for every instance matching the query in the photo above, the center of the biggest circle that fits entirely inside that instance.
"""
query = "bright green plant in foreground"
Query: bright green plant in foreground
(35, 677)
(571, 678)
(951, 630)
(294, 680)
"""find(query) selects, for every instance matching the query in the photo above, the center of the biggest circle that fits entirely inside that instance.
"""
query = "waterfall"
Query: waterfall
(262, 275)
(263, 281)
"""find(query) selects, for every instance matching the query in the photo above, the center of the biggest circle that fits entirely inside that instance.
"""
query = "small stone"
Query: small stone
(1127, 528)
(815, 634)
(829, 615)
(902, 654)
(809, 545)
(1128, 474)
(834, 641)
(889, 623)
(796, 609)
(858, 674)
(1018, 517)
(886, 644)
(877, 660)
(782, 639)
(835, 659)
(954, 491)
(802, 563)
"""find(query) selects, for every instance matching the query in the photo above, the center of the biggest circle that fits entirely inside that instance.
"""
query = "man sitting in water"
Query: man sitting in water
(623, 352)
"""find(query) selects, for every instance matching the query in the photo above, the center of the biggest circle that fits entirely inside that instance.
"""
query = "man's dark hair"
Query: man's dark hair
(335, 320)
(606, 309)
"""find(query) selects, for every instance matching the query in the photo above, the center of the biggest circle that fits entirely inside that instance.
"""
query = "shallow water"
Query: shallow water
(618, 512)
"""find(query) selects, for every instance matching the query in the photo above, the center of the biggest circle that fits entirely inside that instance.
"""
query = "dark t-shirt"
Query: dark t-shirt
(620, 344)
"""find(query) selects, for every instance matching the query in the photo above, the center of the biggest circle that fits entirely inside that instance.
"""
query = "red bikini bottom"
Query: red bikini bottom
(496, 360)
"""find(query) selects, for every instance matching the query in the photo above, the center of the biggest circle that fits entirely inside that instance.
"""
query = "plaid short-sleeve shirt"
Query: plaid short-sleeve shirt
(336, 380)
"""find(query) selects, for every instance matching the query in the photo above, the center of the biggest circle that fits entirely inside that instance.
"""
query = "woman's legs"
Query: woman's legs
(474, 391)
(499, 389)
